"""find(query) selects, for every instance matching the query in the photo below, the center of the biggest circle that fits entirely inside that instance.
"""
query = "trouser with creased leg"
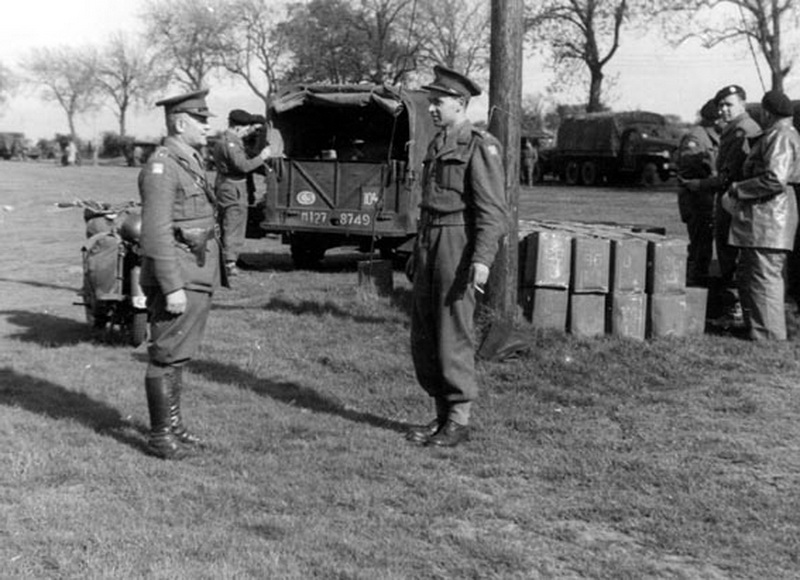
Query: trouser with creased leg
(232, 204)
(442, 327)
(762, 291)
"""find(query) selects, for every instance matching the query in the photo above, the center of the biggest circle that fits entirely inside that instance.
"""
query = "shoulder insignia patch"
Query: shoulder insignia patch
(157, 168)
(492, 149)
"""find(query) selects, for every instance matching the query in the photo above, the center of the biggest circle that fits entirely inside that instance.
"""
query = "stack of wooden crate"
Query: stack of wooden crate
(594, 279)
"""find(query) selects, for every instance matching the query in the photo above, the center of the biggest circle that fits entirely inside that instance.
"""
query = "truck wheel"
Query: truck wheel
(138, 328)
(305, 257)
(649, 174)
(589, 173)
(572, 173)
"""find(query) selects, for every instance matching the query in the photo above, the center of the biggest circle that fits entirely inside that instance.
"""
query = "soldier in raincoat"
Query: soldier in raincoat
(764, 217)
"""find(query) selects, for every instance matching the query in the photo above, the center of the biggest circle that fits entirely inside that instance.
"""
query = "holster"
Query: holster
(196, 239)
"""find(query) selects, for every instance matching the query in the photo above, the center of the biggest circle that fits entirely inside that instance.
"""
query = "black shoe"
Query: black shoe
(421, 433)
(164, 445)
(450, 435)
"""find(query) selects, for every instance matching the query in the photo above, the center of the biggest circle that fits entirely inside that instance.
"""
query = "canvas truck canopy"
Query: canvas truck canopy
(601, 133)
(351, 163)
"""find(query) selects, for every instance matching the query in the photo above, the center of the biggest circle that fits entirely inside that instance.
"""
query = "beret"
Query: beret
(777, 103)
(710, 111)
(238, 117)
(730, 90)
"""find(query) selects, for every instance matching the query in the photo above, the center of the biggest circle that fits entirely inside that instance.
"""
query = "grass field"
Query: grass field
(604, 458)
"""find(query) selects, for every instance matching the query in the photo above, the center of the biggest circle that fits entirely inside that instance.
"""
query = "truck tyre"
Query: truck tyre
(572, 173)
(589, 173)
(649, 174)
(305, 256)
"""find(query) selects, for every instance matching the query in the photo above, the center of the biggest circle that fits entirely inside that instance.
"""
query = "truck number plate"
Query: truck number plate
(347, 218)
(314, 217)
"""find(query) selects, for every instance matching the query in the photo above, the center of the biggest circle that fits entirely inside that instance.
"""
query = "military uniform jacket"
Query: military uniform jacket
(231, 158)
(463, 174)
(734, 145)
(177, 218)
(766, 215)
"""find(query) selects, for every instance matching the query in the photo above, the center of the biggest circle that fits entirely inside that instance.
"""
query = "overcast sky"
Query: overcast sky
(651, 76)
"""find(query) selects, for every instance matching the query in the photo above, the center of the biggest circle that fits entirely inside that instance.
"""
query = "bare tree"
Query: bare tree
(454, 33)
(7, 83)
(254, 47)
(584, 31)
(128, 75)
(68, 76)
(761, 23)
(386, 25)
(185, 32)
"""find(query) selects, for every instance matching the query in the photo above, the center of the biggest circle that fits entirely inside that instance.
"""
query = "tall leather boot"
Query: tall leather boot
(161, 442)
(176, 422)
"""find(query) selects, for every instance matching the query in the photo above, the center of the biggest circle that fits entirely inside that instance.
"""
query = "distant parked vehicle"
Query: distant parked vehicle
(594, 148)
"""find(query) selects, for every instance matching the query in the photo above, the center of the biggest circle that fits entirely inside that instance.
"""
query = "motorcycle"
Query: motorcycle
(111, 293)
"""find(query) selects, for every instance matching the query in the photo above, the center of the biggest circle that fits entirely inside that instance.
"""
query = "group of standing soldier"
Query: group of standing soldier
(737, 197)
(185, 257)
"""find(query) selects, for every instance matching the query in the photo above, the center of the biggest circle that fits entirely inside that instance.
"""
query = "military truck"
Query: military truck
(350, 169)
(593, 148)
(12, 145)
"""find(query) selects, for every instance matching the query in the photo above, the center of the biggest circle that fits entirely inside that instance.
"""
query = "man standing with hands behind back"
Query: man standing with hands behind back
(464, 214)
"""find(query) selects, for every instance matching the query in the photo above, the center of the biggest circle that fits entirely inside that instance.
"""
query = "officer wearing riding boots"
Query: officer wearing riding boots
(233, 166)
(180, 265)
(464, 214)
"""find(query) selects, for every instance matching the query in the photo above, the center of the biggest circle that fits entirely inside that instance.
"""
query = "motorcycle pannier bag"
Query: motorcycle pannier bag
(101, 256)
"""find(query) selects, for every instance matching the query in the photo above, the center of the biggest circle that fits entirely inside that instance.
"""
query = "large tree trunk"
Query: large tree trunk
(595, 90)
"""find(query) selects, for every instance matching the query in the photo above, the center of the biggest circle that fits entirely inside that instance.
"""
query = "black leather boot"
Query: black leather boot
(161, 442)
(176, 422)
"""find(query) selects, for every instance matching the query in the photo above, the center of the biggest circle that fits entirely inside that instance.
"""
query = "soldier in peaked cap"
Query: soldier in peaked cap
(180, 265)
(734, 145)
(233, 166)
(464, 214)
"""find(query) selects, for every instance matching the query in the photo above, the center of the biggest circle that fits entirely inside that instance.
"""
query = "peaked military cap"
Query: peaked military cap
(452, 83)
(238, 117)
(730, 90)
(193, 103)
(777, 103)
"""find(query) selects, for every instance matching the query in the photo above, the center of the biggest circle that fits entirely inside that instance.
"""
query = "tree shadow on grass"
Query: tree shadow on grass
(47, 330)
(57, 402)
(290, 393)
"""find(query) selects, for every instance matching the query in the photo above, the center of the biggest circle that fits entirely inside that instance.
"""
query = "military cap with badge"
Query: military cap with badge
(193, 103)
(452, 83)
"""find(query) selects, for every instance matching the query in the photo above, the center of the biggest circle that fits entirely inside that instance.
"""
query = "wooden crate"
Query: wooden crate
(627, 314)
(591, 259)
